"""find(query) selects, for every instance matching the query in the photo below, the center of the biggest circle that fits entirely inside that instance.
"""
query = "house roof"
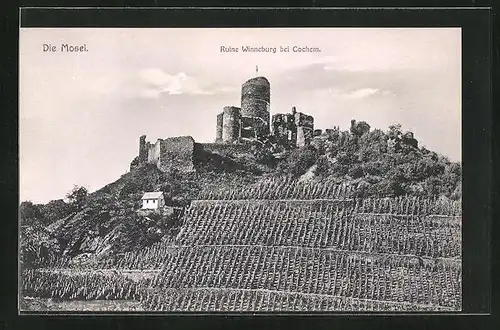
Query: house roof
(152, 195)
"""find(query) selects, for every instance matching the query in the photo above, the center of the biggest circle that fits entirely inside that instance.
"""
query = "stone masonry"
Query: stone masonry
(167, 154)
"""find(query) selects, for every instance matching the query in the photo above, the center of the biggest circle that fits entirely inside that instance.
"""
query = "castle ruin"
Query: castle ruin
(240, 128)
(251, 121)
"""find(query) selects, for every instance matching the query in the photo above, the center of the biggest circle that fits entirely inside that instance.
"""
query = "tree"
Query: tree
(395, 132)
(372, 145)
(77, 197)
(37, 247)
(359, 128)
(29, 213)
(36, 244)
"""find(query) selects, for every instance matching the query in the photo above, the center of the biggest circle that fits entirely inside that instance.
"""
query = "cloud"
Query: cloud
(361, 93)
(154, 82)
(323, 60)
(366, 92)
(356, 94)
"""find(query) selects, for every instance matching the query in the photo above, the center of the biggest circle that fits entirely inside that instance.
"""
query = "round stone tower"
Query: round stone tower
(231, 124)
(255, 102)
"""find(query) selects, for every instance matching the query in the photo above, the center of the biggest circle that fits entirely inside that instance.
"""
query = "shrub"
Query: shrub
(299, 161)
(356, 171)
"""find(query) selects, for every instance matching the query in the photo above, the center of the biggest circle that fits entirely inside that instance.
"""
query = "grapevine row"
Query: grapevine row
(93, 286)
(286, 188)
(278, 188)
(150, 257)
(318, 225)
(229, 300)
(313, 271)
(84, 286)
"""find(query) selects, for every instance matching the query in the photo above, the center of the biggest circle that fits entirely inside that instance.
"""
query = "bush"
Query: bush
(299, 161)
(323, 167)
(356, 171)
(37, 247)
(387, 188)
(55, 210)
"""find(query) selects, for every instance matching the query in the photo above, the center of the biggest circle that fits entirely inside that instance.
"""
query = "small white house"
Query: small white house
(153, 200)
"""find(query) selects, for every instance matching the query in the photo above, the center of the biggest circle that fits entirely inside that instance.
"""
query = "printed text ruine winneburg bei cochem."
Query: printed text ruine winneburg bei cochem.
(262, 49)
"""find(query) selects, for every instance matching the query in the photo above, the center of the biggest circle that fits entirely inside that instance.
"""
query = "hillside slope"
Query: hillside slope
(373, 164)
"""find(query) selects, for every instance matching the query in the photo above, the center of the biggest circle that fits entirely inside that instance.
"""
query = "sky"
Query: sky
(81, 114)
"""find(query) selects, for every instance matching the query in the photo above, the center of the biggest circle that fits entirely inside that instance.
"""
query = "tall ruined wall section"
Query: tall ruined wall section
(178, 153)
(231, 124)
(255, 102)
(305, 128)
(154, 152)
(175, 152)
(295, 129)
(220, 123)
(143, 150)
(284, 129)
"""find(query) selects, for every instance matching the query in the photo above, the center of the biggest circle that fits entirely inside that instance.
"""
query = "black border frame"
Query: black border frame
(476, 24)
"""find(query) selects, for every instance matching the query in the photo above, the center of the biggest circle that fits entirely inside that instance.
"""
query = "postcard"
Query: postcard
(240, 169)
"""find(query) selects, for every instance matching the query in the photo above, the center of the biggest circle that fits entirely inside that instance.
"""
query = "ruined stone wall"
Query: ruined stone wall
(231, 124)
(226, 149)
(253, 128)
(175, 152)
(295, 129)
(304, 136)
(154, 152)
(178, 153)
(248, 128)
(301, 138)
(305, 128)
(304, 120)
(143, 151)
(220, 122)
(284, 129)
